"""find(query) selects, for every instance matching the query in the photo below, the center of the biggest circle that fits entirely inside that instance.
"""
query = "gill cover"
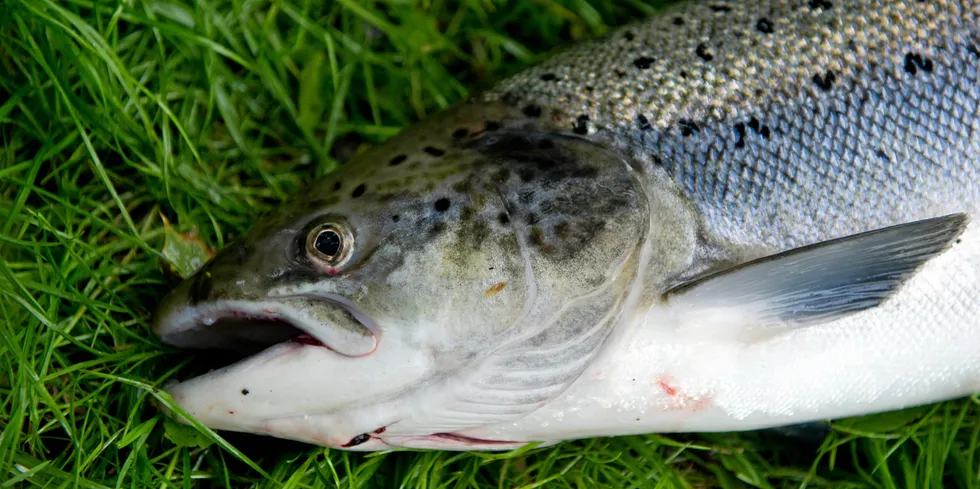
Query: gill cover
(578, 219)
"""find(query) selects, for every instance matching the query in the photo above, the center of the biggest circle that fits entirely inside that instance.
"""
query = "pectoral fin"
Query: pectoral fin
(820, 282)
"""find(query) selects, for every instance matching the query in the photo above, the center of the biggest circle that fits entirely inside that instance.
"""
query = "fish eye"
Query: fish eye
(329, 244)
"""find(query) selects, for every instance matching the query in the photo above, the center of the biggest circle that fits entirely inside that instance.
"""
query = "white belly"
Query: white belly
(921, 346)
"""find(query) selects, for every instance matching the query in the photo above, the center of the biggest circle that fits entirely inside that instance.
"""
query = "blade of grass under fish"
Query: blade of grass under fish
(164, 399)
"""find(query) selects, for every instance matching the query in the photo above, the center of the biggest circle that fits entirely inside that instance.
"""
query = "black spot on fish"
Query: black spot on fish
(915, 61)
(702, 52)
(764, 132)
(244, 392)
(581, 124)
(684, 74)
(825, 82)
(397, 160)
(643, 62)
(754, 124)
(688, 128)
(336, 186)
(532, 111)
(491, 125)
(357, 440)
(720, 8)
(432, 150)
(532, 218)
(740, 130)
(628, 36)
(678, 21)
(396, 218)
(909, 64)
(764, 26)
(589, 88)
(881, 154)
(359, 191)
(548, 77)
(503, 219)
(821, 4)
(619, 73)
(643, 122)
(460, 133)
(972, 49)
(441, 205)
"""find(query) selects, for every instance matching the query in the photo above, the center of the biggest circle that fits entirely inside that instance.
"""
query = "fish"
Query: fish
(727, 216)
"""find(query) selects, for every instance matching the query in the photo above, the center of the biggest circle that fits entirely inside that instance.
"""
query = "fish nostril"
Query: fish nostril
(200, 287)
(241, 252)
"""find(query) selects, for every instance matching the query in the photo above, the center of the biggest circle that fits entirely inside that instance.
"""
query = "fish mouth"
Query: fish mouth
(250, 326)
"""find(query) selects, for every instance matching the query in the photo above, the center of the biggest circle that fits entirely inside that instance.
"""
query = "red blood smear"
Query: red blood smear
(669, 389)
(380, 430)
(306, 339)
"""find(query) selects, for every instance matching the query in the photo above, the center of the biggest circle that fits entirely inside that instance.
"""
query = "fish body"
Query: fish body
(729, 216)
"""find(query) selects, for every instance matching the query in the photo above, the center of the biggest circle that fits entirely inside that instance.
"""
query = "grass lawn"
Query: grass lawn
(119, 116)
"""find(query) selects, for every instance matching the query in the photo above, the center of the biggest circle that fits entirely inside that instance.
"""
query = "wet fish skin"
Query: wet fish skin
(788, 122)
(702, 144)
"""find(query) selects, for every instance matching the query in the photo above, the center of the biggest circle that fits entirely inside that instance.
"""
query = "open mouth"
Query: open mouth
(251, 326)
(236, 329)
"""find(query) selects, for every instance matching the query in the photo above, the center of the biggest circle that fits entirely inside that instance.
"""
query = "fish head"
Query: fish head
(459, 263)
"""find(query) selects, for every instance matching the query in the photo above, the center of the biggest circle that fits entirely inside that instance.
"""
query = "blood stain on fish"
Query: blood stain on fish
(679, 400)
(665, 384)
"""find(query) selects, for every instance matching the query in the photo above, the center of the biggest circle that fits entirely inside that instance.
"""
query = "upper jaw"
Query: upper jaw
(251, 324)
(224, 324)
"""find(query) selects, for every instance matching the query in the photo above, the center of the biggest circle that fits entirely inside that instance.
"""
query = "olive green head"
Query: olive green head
(460, 238)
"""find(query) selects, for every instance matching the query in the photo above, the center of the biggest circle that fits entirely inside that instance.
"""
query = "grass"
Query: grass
(116, 115)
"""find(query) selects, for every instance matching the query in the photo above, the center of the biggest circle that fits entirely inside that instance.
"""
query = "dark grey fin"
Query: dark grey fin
(824, 281)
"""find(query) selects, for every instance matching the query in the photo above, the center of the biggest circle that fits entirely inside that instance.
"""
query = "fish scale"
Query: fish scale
(821, 140)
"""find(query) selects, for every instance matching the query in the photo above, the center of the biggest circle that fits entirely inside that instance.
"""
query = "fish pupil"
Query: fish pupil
(328, 243)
